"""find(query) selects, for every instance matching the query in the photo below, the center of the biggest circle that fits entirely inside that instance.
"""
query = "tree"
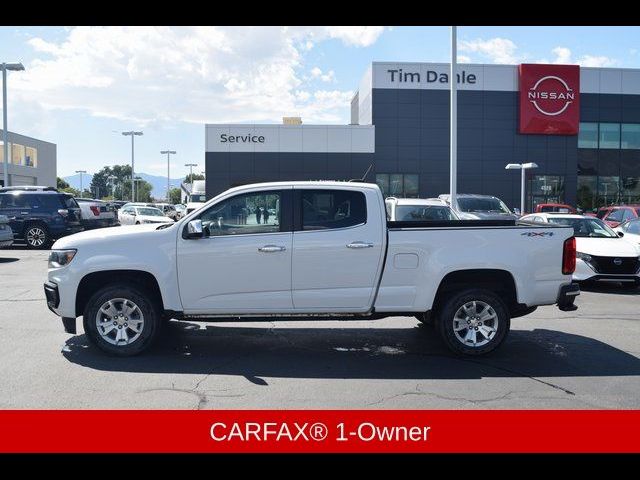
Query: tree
(71, 190)
(196, 176)
(143, 191)
(121, 186)
(174, 195)
(61, 184)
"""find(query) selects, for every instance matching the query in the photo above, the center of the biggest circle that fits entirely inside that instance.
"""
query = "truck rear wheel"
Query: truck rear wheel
(473, 322)
(121, 320)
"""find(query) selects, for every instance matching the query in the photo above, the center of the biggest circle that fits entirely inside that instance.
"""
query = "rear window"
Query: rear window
(327, 209)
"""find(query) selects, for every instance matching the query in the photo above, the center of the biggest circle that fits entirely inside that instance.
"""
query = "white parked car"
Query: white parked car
(418, 209)
(630, 230)
(135, 215)
(602, 255)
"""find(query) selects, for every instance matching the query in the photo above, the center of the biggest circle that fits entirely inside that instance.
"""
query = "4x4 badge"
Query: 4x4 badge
(538, 234)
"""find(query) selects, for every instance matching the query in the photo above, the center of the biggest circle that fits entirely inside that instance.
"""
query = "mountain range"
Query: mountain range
(158, 182)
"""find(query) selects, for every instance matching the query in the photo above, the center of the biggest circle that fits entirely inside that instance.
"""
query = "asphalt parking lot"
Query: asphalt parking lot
(552, 359)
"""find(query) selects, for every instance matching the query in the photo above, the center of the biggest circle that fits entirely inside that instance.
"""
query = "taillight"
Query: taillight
(95, 210)
(63, 211)
(569, 256)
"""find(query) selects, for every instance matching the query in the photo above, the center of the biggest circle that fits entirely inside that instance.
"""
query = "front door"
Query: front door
(337, 251)
(243, 264)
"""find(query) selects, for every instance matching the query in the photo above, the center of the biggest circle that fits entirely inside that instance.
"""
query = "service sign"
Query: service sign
(549, 99)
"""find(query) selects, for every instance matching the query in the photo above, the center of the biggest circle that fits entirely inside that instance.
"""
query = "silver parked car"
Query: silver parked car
(6, 234)
(480, 207)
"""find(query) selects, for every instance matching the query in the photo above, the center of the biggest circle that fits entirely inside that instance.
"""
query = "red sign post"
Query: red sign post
(549, 99)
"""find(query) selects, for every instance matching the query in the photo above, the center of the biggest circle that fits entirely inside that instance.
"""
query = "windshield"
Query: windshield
(586, 227)
(152, 212)
(482, 205)
(406, 213)
(633, 227)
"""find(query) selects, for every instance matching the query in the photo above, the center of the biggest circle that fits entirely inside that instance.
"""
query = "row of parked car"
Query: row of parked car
(39, 215)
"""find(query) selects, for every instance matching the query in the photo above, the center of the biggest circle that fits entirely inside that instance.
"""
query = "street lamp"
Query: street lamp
(132, 134)
(168, 153)
(191, 165)
(111, 179)
(16, 67)
(137, 179)
(81, 172)
(523, 167)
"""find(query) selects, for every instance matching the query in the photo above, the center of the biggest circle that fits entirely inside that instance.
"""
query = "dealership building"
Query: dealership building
(31, 161)
(581, 126)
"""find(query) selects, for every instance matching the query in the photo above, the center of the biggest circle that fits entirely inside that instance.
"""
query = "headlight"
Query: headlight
(60, 258)
(583, 256)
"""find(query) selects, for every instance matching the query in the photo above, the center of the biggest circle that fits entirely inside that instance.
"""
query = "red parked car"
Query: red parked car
(615, 215)
(554, 208)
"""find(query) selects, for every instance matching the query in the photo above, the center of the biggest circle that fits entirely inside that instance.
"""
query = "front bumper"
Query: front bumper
(52, 295)
(567, 296)
(584, 273)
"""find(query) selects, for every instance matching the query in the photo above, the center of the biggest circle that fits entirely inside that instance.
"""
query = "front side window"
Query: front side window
(250, 213)
(327, 209)
(14, 201)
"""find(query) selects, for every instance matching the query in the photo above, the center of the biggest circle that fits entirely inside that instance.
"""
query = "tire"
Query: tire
(123, 332)
(425, 318)
(36, 235)
(453, 315)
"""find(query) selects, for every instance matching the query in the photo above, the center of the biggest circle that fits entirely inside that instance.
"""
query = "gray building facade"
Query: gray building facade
(406, 106)
(31, 161)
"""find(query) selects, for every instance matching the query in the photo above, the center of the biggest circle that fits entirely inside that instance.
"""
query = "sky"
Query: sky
(84, 85)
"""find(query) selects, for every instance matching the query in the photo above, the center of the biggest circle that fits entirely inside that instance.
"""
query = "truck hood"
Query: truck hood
(106, 235)
(607, 247)
(153, 219)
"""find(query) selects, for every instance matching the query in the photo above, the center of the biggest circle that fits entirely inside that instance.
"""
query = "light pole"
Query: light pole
(111, 179)
(169, 153)
(81, 172)
(191, 165)
(453, 133)
(523, 167)
(132, 134)
(16, 67)
(137, 179)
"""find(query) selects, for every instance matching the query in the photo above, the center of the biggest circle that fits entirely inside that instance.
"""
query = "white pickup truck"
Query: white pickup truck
(319, 250)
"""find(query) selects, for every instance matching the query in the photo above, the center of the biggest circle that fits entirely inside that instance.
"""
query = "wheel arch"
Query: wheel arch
(92, 282)
(498, 281)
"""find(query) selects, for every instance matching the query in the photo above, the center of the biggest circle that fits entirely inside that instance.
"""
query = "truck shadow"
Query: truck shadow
(367, 353)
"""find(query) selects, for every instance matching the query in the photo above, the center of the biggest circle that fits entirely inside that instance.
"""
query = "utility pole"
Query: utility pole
(169, 153)
(111, 179)
(191, 165)
(453, 134)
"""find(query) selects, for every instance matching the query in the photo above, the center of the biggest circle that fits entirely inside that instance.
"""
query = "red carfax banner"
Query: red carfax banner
(312, 431)
(549, 99)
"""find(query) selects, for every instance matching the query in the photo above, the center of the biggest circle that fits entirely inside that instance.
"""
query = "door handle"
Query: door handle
(271, 248)
(360, 245)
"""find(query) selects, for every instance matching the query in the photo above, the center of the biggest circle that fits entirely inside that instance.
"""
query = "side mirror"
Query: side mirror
(194, 229)
(620, 234)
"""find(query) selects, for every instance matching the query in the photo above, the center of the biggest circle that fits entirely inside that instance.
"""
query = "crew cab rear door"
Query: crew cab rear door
(338, 245)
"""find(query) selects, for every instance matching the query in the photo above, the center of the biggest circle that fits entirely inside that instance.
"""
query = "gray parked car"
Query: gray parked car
(6, 234)
(480, 207)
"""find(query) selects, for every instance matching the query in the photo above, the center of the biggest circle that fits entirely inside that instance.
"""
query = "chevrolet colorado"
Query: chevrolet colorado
(319, 250)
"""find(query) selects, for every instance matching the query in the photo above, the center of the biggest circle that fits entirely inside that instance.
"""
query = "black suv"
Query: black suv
(39, 217)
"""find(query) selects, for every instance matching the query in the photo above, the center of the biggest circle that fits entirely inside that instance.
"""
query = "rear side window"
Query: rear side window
(616, 215)
(46, 202)
(328, 209)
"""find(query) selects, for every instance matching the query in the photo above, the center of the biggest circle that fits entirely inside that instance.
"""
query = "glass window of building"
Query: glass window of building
(17, 154)
(630, 190)
(630, 136)
(398, 184)
(586, 197)
(2, 151)
(546, 189)
(609, 135)
(588, 136)
(608, 190)
(31, 157)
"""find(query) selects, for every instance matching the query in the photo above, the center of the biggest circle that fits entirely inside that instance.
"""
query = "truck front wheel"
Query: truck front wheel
(474, 321)
(121, 320)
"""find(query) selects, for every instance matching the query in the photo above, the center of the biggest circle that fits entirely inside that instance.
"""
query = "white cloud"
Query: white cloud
(464, 59)
(192, 74)
(564, 56)
(330, 76)
(498, 50)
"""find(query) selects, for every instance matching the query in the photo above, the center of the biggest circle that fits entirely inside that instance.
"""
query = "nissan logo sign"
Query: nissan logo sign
(551, 95)
(617, 261)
